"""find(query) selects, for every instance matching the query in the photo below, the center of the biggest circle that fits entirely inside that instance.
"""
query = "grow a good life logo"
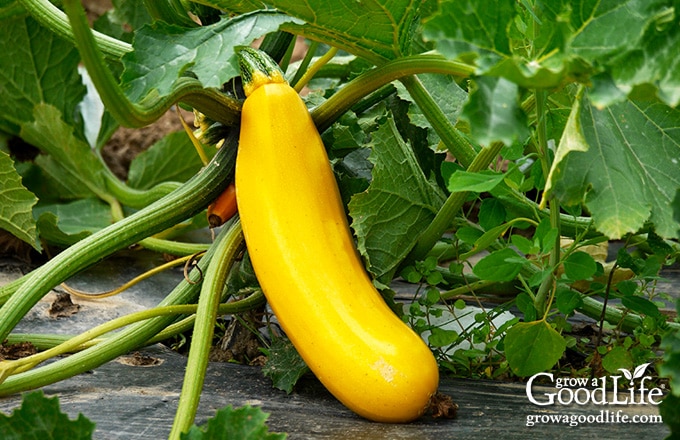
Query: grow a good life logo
(583, 391)
(611, 393)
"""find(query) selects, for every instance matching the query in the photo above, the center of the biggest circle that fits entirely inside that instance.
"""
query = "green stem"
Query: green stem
(367, 82)
(204, 327)
(7, 290)
(49, 341)
(181, 204)
(520, 206)
(314, 69)
(251, 302)
(52, 18)
(173, 247)
(548, 283)
(211, 102)
(447, 213)
(135, 198)
(311, 50)
(455, 142)
(88, 338)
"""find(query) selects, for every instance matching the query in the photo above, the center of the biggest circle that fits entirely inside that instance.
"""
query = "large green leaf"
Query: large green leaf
(482, 32)
(637, 41)
(39, 417)
(475, 31)
(399, 203)
(16, 203)
(494, 113)
(375, 29)
(532, 347)
(69, 157)
(173, 158)
(163, 53)
(630, 43)
(38, 67)
(625, 159)
(65, 224)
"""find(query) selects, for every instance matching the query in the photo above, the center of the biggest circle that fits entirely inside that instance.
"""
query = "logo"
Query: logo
(605, 390)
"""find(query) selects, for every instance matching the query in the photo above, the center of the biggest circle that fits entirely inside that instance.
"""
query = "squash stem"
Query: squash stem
(52, 18)
(548, 283)
(304, 64)
(318, 64)
(204, 327)
(367, 82)
(446, 215)
(211, 102)
(454, 141)
(130, 338)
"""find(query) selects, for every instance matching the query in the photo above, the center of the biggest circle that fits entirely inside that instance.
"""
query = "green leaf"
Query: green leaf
(567, 300)
(474, 31)
(670, 412)
(374, 29)
(39, 417)
(163, 53)
(640, 305)
(500, 265)
(440, 337)
(579, 266)
(617, 357)
(494, 113)
(628, 172)
(482, 181)
(40, 68)
(642, 55)
(173, 158)
(491, 213)
(284, 365)
(245, 423)
(16, 203)
(524, 245)
(68, 154)
(532, 347)
(398, 204)
(482, 32)
(526, 305)
(65, 224)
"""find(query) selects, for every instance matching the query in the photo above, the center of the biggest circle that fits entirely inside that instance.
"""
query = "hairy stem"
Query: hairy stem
(204, 327)
(54, 19)
(364, 84)
(211, 102)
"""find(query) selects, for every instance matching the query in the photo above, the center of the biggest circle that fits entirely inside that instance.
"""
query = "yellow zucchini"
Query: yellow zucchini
(305, 259)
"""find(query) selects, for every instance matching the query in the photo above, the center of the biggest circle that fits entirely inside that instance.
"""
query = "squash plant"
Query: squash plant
(510, 137)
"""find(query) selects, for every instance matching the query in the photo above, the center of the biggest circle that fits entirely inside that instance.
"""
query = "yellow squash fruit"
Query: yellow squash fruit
(305, 259)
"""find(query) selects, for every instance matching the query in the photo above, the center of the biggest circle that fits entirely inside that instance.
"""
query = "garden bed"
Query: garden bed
(136, 395)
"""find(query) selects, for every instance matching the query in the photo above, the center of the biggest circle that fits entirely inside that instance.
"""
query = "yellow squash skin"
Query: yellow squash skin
(308, 267)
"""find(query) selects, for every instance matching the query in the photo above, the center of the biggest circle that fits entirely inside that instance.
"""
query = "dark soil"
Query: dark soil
(10, 352)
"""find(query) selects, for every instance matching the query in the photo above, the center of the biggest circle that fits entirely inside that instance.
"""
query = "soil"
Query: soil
(10, 352)
(63, 307)
(126, 143)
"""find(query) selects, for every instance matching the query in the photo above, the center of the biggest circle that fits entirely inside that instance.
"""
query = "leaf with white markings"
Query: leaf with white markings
(625, 165)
